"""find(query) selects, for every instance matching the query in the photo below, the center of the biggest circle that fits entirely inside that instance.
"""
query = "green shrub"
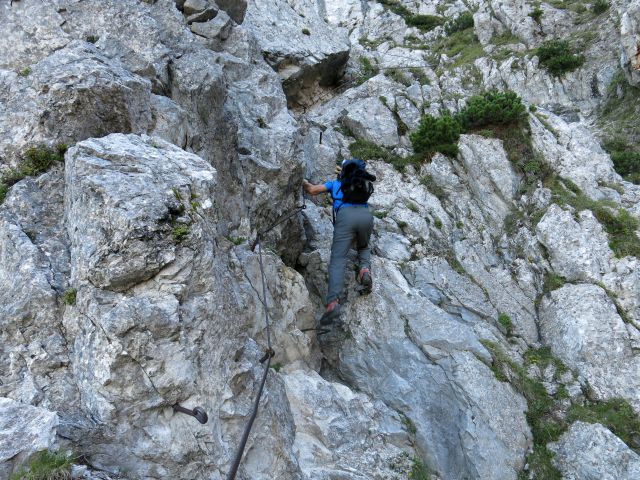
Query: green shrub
(69, 296)
(25, 72)
(558, 57)
(492, 108)
(436, 135)
(92, 38)
(424, 23)
(627, 164)
(46, 465)
(39, 160)
(306, 31)
(600, 6)
(460, 23)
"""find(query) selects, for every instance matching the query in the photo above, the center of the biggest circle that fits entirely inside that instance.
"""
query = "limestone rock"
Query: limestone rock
(424, 368)
(24, 430)
(581, 325)
(298, 44)
(592, 452)
(365, 441)
(578, 247)
(217, 28)
(136, 240)
(75, 93)
(32, 31)
(236, 9)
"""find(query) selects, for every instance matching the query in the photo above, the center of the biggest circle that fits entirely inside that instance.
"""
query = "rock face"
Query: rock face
(24, 430)
(131, 277)
(298, 44)
(593, 452)
(583, 328)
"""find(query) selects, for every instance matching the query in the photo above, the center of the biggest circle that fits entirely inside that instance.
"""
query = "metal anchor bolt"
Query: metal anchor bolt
(197, 412)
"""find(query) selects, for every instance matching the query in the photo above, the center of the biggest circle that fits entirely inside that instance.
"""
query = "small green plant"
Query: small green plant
(401, 224)
(552, 282)
(463, 47)
(46, 465)
(437, 223)
(306, 31)
(39, 159)
(36, 161)
(92, 38)
(177, 194)
(430, 184)
(237, 240)
(533, 108)
(412, 206)
(24, 72)
(380, 214)
(370, 151)
(617, 415)
(397, 75)
(599, 6)
(507, 324)
(180, 232)
(460, 23)
(69, 296)
(558, 57)
(536, 14)
(367, 70)
(277, 366)
(420, 75)
(419, 471)
(408, 424)
(261, 122)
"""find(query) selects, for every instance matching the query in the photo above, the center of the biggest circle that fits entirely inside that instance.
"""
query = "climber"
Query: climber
(352, 221)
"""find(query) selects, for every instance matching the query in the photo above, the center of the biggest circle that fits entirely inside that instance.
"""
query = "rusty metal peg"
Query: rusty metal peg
(197, 412)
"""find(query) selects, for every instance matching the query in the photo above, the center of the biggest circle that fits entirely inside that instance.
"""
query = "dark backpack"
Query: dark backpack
(356, 182)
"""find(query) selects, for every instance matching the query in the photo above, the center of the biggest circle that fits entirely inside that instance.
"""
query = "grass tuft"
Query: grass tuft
(45, 465)
(36, 161)
(69, 296)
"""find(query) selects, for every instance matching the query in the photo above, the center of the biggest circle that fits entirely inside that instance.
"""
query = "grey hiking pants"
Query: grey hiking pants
(355, 222)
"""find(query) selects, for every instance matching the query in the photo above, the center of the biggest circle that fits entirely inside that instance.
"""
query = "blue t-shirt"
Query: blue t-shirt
(334, 189)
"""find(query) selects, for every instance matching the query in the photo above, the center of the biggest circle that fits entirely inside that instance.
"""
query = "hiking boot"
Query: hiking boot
(331, 314)
(364, 279)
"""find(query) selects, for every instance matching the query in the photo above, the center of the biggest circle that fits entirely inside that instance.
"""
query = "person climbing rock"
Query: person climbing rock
(352, 221)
